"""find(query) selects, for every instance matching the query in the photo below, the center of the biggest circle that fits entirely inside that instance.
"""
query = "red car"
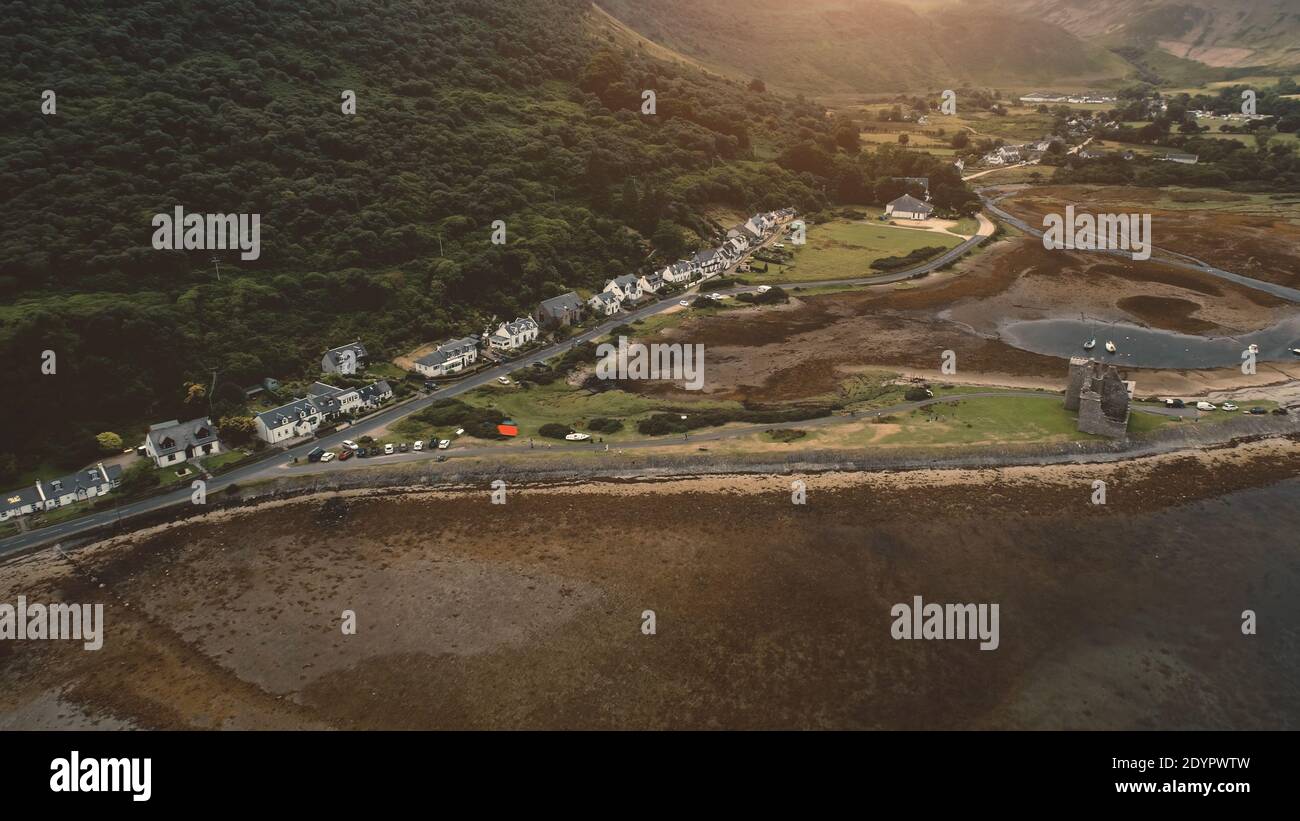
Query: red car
(345, 454)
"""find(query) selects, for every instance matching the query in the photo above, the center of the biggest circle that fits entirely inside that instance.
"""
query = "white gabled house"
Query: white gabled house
(345, 359)
(604, 304)
(514, 334)
(298, 418)
(651, 283)
(679, 273)
(626, 288)
(909, 208)
(708, 262)
(171, 442)
(449, 357)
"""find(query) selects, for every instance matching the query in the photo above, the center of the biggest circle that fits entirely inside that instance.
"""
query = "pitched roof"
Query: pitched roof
(292, 411)
(518, 326)
(355, 347)
(449, 350)
(170, 437)
(907, 202)
(561, 303)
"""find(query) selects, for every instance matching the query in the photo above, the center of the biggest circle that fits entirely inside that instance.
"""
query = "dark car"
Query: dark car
(403, 447)
(345, 454)
(362, 453)
(430, 385)
(315, 455)
(1257, 411)
(1174, 403)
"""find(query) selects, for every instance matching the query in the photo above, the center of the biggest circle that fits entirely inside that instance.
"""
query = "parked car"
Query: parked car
(363, 453)
(685, 303)
(442, 457)
(716, 296)
(1257, 411)
(1229, 406)
(1174, 403)
(430, 385)
(350, 445)
(327, 456)
(402, 447)
(1205, 406)
(419, 445)
(388, 449)
(316, 454)
(443, 444)
(503, 380)
(345, 454)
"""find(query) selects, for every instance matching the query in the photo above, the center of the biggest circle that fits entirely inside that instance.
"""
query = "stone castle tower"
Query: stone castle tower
(1100, 396)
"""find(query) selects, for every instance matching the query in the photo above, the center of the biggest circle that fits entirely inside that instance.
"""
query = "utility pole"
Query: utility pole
(217, 262)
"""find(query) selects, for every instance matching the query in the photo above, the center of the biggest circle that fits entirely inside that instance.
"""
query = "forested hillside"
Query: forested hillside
(375, 225)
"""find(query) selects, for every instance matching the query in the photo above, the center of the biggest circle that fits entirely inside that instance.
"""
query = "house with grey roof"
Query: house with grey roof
(626, 288)
(345, 359)
(294, 419)
(604, 304)
(450, 357)
(66, 490)
(514, 334)
(679, 273)
(909, 207)
(651, 283)
(171, 442)
(559, 311)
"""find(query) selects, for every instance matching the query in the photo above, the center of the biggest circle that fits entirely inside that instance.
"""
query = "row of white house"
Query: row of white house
(76, 487)
(322, 404)
(456, 355)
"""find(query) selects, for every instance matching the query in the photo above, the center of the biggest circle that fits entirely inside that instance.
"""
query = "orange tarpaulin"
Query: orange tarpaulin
(507, 430)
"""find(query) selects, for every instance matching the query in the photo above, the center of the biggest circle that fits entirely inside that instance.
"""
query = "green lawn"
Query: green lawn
(987, 420)
(847, 249)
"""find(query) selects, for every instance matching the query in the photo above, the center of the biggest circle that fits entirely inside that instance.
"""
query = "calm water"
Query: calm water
(1148, 348)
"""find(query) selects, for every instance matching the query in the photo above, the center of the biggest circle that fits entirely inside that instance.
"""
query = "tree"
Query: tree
(194, 393)
(237, 430)
(669, 240)
(903, 139)
(960, 140)
(109, 442)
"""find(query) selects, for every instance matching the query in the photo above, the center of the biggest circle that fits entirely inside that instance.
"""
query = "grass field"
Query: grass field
(989, 419)
(847, 249)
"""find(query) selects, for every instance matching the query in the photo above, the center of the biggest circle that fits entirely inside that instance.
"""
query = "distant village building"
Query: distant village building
(515, 334)
(604, 304)
(1185, 159)
(909, 208)
(1101, 398)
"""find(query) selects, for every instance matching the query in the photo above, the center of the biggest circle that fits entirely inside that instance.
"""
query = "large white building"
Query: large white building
(449, 357)
(514, 334)
(168, 443)
(70, 489)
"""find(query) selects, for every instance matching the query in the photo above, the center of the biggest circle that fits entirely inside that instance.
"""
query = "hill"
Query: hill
(1215, 33)
(830, 47)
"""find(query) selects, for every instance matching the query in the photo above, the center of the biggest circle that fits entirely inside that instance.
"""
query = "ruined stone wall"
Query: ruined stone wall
(1079, 370)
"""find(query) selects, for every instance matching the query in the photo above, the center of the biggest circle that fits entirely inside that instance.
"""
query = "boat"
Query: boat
(1110, 346)
(578, 437)
(1296, 351)
(1090, 344)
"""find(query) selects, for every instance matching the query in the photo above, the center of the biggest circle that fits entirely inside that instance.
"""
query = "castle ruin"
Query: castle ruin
(1096, 391)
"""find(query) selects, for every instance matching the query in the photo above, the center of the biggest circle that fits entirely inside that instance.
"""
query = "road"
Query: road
(1170, 257)
(275, 465)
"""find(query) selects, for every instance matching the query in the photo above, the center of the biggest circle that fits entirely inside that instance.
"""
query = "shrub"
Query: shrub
(914, 258)
(554, 430)
(603, 424)
(916, 393)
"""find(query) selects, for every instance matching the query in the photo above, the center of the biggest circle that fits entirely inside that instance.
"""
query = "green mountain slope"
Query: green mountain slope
(827, 47)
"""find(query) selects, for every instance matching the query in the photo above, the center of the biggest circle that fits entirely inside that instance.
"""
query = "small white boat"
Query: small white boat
(1110, 346)
(1253, 348)
(1296, 351)
(578, 437)
(1090, 344)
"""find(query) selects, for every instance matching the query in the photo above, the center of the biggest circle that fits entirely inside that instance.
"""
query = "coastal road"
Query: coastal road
(383, 419)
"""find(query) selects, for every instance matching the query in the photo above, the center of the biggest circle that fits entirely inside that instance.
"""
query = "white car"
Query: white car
(419, 445)
(1205, 406)
(327, 456)
(684, 303)
(715, 295)
(503, 380)
(443, 444)
(388, 449)
(460, 431)
(762, 289)
(1229, 406)
(350, 445)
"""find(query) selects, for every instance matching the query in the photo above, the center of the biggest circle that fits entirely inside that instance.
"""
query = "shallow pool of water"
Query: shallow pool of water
(1149, 348)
